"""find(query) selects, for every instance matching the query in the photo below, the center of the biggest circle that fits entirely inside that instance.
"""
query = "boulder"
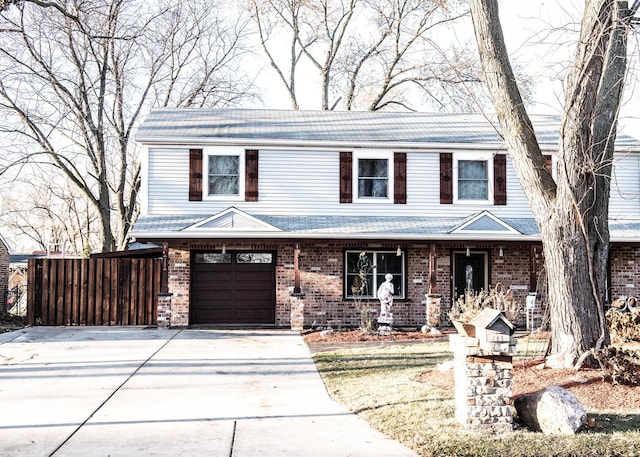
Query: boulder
(553, 410)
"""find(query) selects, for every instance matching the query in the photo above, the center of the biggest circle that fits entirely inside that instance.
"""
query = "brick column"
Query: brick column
(164, 310)
(483, 386)
(433, 310)
(297, 313)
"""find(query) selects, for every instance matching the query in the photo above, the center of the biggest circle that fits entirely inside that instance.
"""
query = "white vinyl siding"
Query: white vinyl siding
(625, 187)
(168, 180)
(306, 182)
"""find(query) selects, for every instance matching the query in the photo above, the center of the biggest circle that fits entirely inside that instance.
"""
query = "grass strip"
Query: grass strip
(381, 385)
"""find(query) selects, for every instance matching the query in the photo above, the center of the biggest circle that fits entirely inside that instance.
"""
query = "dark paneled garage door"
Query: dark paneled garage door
(233, 288)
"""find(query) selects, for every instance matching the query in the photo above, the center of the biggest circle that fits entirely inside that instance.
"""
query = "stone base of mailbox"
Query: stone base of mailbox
(483, 385)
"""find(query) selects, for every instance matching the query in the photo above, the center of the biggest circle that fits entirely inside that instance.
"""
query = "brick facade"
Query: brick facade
(4, 273)
(321, 265)
(625, 271)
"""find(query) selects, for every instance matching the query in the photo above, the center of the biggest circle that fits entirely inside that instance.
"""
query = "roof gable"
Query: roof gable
(232, 219)
(484, 222)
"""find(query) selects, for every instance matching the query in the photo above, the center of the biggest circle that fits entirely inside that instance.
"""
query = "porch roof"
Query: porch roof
(344, 227)
(354, 227)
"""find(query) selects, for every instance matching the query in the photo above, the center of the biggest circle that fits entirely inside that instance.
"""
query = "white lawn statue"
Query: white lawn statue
(385, 295)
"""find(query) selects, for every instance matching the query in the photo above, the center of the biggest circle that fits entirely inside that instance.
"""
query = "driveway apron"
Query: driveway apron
(122, 391)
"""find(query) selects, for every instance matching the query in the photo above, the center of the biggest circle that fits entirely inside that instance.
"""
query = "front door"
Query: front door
(470, 272)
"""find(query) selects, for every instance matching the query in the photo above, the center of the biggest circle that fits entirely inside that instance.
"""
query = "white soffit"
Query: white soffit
(485, 222)
(232, 219)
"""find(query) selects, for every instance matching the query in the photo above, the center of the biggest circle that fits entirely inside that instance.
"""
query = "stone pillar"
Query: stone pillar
(163, 319)
(433, 310)
(297, 313)
(483, 386)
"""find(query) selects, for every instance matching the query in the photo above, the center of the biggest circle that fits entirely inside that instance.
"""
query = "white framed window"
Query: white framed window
(374, 268)
(224, 173)
(472, 178)
(373, 172)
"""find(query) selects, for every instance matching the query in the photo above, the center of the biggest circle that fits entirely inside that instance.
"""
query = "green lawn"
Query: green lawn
(380, 384)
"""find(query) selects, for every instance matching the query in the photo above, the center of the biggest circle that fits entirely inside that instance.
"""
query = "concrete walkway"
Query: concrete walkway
(97, 391)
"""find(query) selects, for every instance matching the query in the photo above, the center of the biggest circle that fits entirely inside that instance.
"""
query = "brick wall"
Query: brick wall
(4, 274)
(625, 271)
(321, 277)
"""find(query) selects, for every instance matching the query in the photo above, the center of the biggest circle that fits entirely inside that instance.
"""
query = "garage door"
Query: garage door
(233, 288)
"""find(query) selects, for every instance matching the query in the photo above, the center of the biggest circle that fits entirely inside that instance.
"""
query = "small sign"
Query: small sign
(531, 301)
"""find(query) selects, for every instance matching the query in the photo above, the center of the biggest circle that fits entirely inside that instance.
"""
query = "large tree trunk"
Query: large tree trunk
(572, 210)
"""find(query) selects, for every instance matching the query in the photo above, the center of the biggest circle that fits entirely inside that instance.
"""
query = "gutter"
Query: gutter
(191, 235)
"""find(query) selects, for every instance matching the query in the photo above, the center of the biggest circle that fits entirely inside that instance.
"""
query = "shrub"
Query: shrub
(469, 306)
(619, 366)
(624, 326)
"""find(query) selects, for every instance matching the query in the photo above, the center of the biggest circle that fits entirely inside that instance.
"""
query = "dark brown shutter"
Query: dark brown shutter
(399, 178)
(346, 170)
(548, 164)
(195, 175)
(500, 179)
(251, 175)
(446, 178)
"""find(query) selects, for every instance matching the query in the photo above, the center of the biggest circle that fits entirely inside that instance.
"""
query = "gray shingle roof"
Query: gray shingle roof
(334, 127)
(331, 225)
(352, 227)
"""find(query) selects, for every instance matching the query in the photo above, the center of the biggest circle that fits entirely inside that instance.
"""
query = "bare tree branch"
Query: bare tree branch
(75, 77)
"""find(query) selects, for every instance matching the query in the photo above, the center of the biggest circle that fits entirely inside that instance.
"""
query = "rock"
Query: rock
(553, 410)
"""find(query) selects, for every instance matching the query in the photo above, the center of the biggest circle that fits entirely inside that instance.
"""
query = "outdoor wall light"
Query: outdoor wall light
(468, 252)
(501, 252)
(398, 251)
(224, 248)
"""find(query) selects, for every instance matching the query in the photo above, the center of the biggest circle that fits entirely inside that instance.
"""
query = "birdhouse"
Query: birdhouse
(494, 331)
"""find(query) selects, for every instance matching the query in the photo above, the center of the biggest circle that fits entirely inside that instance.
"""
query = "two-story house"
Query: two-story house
(263, 214)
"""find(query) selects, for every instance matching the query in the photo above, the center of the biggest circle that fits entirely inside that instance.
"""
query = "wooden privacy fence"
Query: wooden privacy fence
(101, 291)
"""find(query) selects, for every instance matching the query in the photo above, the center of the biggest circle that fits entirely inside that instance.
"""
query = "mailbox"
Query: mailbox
(494, 331)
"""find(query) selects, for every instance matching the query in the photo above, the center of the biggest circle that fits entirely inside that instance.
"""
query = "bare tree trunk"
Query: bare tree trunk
(572, 211)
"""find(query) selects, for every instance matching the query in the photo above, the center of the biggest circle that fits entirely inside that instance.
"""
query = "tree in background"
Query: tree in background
(54, 217)
(371, 54)
(571, 210)
(75, 77)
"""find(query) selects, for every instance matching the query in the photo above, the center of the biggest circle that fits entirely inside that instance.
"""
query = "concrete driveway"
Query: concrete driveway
(122, 391)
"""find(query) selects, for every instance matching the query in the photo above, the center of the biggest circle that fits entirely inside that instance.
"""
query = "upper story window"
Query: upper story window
(224, 174)
(473, 178)
(374, 181)
(373, 178)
